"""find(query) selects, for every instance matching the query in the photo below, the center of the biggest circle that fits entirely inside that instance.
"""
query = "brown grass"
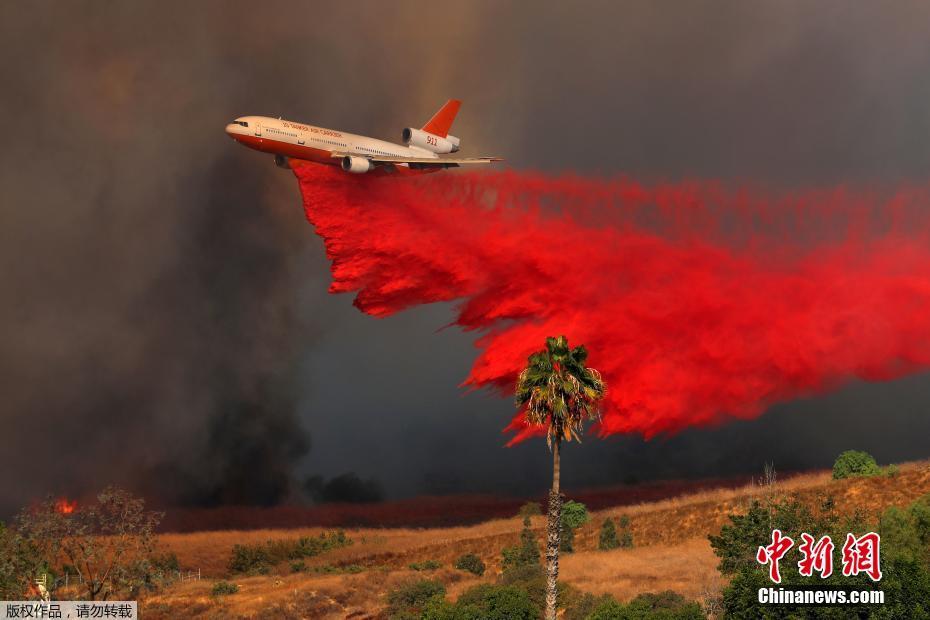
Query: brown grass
(671, 551)
(687, 567)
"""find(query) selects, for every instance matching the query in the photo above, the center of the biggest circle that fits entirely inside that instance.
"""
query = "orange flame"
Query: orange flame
(64, 506)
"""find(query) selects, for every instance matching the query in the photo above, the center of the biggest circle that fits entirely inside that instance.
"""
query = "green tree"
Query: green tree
(854, 463)
(499, 602)
(411, 599)
(20, 563)
(471, 563)
(608, 538)
(666, 605)
(525, 554)
(626, 535)
(558, 391)
(574, 515)
(221, 588)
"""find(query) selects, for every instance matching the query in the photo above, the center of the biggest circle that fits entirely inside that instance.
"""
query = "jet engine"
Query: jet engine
(430, 142)
(356, 165)
(281, 161)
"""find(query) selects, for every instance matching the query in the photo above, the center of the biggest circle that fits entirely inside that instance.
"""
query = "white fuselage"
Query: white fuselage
(307, 142)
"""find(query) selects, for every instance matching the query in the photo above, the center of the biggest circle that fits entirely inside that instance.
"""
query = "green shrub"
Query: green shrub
(608, 538)
(567, 539)
(250, 559)
(854, 463)
(527, 576)
(497, 602)
(165, 562)
(221, 588)
(666, 605)
(625, 535)
(413, 597)
(920, 514)
(574, 515)
(532, 580)
(309, 546)
(580, 607)
(608, 609)
(329, 569)
(471, 563)
(891, 471)
(906, 532)
(484, 602)
(258, 559)
(526, 553)
(530, 509)
(626, 539)
(299, 566)
(425, 565)
(441, 609)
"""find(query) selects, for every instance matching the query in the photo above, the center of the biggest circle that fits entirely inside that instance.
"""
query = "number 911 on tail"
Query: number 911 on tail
(423, 150)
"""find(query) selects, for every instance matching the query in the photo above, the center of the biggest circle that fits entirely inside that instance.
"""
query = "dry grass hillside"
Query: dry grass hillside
(671, 552)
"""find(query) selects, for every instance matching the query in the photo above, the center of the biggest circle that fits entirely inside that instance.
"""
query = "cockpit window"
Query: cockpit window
(243, 123)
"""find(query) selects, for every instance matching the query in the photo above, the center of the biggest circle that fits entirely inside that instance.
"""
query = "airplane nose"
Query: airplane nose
(231, 130)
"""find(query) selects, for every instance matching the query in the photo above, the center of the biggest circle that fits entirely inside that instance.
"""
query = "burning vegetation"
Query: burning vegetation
(64, 506)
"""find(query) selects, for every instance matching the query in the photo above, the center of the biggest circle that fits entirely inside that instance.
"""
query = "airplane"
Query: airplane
(423, 149)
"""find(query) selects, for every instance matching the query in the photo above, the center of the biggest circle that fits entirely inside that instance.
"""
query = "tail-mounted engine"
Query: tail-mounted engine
(430, 142)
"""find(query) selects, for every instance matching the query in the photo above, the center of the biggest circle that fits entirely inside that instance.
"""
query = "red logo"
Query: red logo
(816, 556)
(860, 555)
(773, 553)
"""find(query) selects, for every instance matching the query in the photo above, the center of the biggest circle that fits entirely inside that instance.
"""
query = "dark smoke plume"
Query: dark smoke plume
(152, 324)
(241, 338)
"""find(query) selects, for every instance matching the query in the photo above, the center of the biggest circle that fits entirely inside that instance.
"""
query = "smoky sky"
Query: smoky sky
(165, 320)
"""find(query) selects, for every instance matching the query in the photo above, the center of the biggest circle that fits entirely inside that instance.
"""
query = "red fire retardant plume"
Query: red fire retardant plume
(696, 301)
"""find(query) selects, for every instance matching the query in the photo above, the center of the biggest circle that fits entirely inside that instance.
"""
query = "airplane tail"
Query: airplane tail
(442, 120)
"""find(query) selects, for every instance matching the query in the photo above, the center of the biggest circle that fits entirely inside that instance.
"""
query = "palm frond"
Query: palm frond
(558, 390)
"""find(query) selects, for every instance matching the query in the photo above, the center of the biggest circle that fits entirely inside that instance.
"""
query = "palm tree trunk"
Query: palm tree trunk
(553, 535)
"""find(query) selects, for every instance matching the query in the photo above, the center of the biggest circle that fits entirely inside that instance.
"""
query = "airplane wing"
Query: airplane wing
(424, 162)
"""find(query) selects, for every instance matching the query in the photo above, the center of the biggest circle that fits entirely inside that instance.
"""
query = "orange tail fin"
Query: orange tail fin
(441, 122)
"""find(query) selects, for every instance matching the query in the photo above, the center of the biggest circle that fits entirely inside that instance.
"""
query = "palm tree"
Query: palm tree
(557, 390)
